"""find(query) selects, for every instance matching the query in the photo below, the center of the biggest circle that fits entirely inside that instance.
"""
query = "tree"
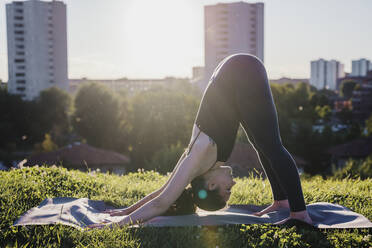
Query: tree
(98, 117)
(324, 112)
(160, 117)
(53, 111)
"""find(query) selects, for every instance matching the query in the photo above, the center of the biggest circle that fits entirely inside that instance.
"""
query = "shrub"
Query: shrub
(355, 169)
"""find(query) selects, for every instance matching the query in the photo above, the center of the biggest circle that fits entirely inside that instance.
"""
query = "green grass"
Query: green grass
(23, 189)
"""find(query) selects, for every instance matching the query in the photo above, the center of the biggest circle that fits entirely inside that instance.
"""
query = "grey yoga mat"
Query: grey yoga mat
(81, 212)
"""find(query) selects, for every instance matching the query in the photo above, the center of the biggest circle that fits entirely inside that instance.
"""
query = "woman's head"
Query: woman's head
(213, 189)
(209, 191)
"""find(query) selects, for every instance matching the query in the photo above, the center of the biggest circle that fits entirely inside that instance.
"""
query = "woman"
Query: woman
(238, 93)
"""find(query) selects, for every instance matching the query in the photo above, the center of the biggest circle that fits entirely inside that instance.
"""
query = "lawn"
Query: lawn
(25, 188)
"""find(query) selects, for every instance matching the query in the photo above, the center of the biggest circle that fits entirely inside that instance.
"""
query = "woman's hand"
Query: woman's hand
(117, 212)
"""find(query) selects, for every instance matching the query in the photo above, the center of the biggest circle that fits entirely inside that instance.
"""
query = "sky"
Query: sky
(110, 39)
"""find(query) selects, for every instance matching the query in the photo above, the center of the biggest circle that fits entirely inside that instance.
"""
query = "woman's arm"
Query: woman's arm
(185, 172)
(194, 136)
(155, 193)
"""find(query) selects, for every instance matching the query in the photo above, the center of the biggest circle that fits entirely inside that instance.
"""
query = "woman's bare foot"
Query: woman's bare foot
(301, 215)
(275, 206)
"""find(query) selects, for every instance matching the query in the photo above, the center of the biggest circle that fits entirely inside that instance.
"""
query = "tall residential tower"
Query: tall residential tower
(359, 68)
(37, 47)
(232, 28)
(324, 74)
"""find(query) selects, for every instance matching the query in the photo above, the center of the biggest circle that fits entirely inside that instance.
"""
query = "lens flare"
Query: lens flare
(202, 194)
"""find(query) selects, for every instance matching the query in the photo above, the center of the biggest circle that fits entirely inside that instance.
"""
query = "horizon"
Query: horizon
(180, 42)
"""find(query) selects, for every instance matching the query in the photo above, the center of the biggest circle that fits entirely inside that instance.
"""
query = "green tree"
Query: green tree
(53, 111)
(160, 117)
(98, 117)
(48, 145)
(324, 112)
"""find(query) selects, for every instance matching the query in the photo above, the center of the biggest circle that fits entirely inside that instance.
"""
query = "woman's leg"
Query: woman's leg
(258, 117)
(278, 193)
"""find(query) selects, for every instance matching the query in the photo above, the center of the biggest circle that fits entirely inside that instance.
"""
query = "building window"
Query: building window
(223, 12)
(223, 39)
(19, 60)
(51, 67)
(222, 46)
(20, 46)
(21, 88)
(19, 11)
(20, 53)
(20, 39)
(20, 74)
(18, 3)
(19, 32)
(50, 25)
(18, 17)
(18, 25)
(21, 67)
(51, 81)
(21, 81)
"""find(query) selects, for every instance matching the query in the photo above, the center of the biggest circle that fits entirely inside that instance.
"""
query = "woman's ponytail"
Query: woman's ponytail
(184, 205)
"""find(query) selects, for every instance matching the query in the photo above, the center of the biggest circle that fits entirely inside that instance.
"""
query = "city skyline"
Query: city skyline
(132, 36)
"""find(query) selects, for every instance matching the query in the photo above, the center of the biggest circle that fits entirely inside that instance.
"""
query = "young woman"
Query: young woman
(238, 93)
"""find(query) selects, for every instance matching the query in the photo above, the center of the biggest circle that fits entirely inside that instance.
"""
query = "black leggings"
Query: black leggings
(256, 112)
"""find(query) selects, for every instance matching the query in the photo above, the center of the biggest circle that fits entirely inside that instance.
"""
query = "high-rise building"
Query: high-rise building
(324, 74)
(360, 67)
(37, 47)
(230, 28)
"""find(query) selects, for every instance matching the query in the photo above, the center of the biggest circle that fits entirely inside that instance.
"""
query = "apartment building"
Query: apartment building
(37, 47)
(230, 28)
(360, 67)
(324, 74)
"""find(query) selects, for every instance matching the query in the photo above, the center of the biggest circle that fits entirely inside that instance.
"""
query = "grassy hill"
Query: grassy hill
(25, 188)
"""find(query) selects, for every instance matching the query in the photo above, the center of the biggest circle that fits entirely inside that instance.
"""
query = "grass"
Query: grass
(25, 188)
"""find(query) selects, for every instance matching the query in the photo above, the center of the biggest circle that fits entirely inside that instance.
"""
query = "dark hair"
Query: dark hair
(196, 196)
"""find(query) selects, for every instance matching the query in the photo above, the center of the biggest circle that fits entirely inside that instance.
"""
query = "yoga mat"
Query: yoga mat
(81, 212)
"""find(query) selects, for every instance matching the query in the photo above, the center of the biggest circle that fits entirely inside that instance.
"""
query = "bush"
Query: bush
(355, 169)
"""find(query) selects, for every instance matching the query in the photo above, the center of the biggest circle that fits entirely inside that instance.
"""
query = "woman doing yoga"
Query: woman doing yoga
(237, 93)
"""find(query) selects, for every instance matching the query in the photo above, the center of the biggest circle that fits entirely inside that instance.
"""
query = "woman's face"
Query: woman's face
(221, 178)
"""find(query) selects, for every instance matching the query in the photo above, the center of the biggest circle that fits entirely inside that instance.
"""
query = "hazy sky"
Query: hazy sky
(157, 38)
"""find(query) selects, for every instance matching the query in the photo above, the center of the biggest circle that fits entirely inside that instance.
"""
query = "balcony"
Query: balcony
(19, 60)
(21, 88)
(19, 74)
